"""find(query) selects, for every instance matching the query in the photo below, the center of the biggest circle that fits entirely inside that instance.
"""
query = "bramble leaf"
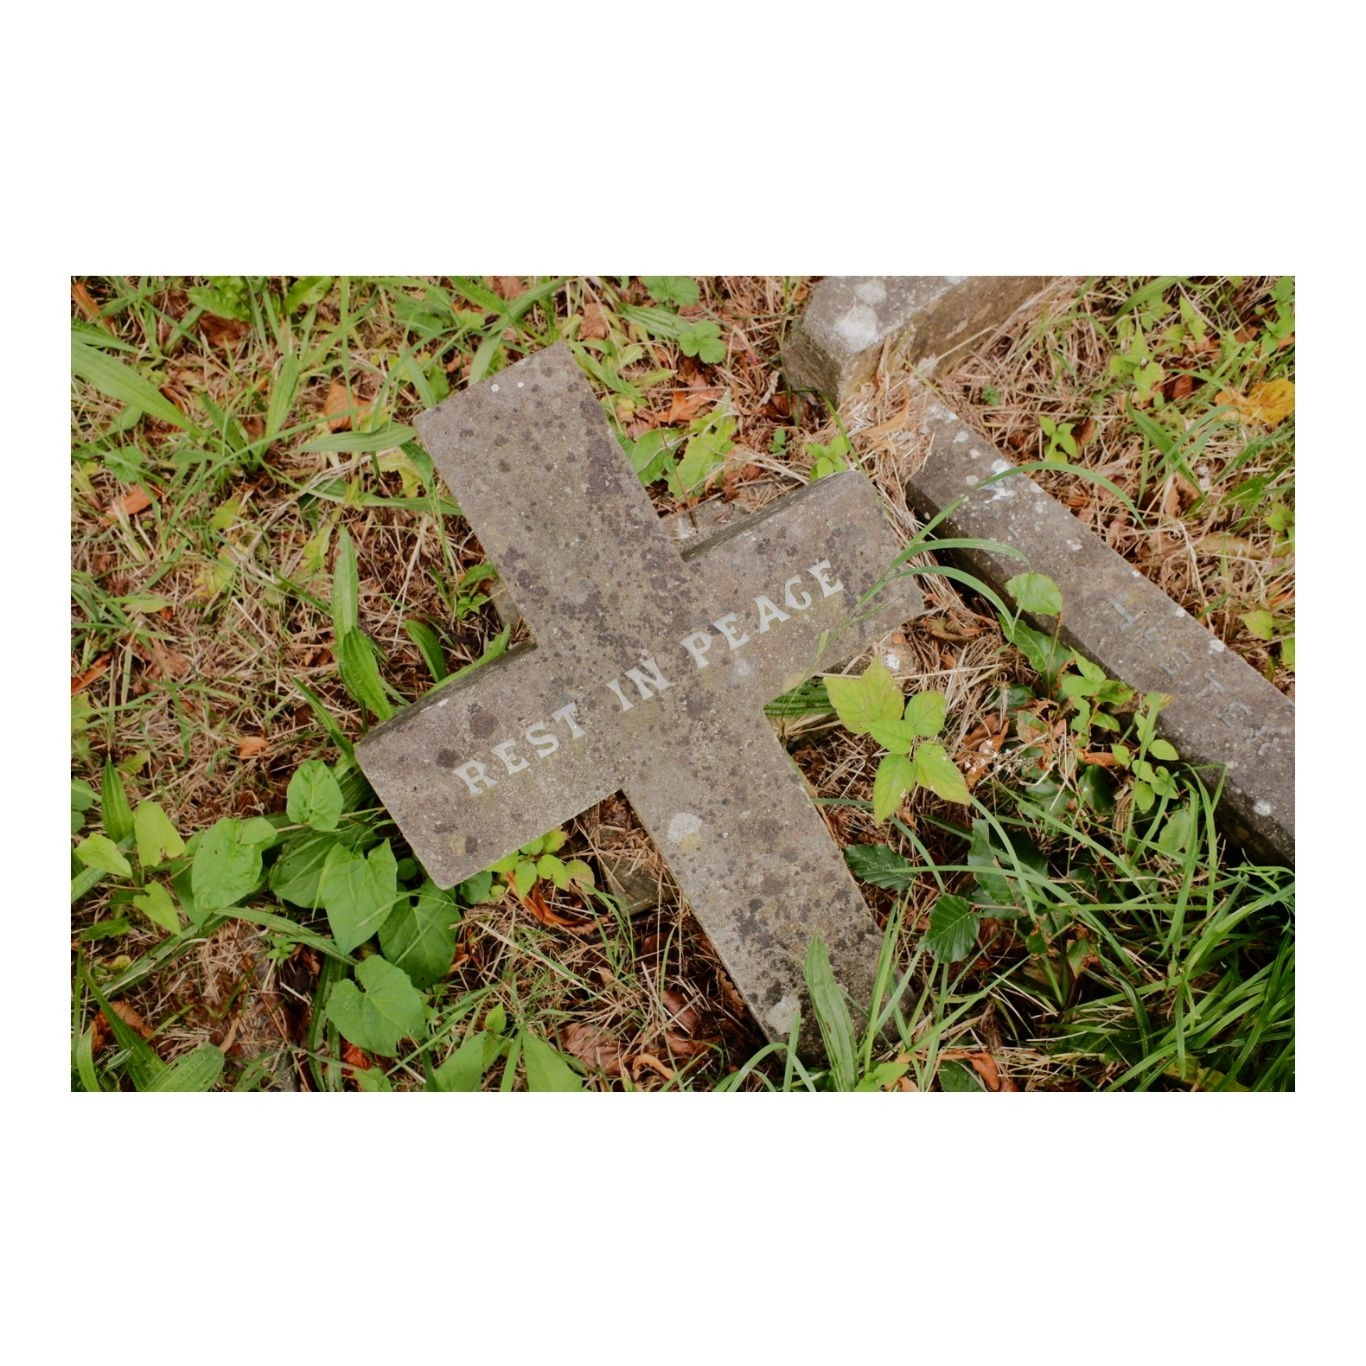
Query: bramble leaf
(935, 770)
(858, 702)
(895, 778)
(925, 712)
(953, 928)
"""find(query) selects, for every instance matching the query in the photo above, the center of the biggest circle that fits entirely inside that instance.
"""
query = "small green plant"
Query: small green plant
(872, 704)
(829, 459)
(685, 460)
(521, 870)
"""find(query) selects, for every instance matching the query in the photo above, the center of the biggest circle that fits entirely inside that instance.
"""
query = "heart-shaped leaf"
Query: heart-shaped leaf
(358, 892)
(388, 1008)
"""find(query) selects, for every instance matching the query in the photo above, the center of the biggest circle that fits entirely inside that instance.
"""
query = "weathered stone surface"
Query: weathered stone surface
(1223, 714)
(849, 318)
(648, 675)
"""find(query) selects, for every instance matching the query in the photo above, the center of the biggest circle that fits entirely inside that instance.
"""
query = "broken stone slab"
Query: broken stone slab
(850, 318)
(649, 673)
(1223, 715)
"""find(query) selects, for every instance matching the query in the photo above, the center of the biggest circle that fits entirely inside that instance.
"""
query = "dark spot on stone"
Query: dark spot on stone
(467, 432)
(482, 723)
(505, 467)
(445, 758)
(500, 440)
(756, 903)
(590, 410)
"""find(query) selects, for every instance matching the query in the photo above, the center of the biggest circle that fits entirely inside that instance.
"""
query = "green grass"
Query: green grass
(288, 568)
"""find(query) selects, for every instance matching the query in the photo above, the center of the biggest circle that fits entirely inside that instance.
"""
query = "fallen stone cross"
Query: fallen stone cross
(648, 675)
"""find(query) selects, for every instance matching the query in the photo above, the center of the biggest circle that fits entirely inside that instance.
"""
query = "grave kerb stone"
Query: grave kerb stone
(1223, 716)
(648, 675)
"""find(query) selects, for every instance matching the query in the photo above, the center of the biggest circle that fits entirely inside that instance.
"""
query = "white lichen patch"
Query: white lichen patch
(858, 329)
(685, 831)
(970, 480)
(779, 1018)
(1216, 646)
(1262, 808)
(1074, 545)
(871, 292)
(962, 437)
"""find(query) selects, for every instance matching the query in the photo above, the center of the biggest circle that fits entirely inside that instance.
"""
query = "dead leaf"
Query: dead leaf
(353, 1057)
(1272, 401)
(594, 326)
(981, 1063)
(84, 680)
(536, 904)
(250, 746)
(222, 332)
(653, 1063)
(86, 303)
(683, 1016)
(131, 1018)
(341, 407)
(687, 403)
(679, 1047)
(169, 663)
(507, 286)
(136, 500)
(597, 1047)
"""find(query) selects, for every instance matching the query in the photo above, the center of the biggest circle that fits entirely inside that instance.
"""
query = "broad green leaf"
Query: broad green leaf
(476, 889)
(832, 1016)
(297, 873)
(125, 385)
(307, 289)
(157, 838)
(702, 338)
(650, 454)
(1163, 749)
(314, 798)
(156, 904)
(953, 1076)
(860, 701)
(464, 1069)
(553, 869)
(1046, 655)
(705, 450)
(935, 770)
(345, 586)
(100, 852)
(679, 290)
(894, 779)
(898, 736)
(1035, 593)
(1260, 624)
(953, 928)
(1177, 831)
(358, 891)
(227, 863)
(580, 873)
(418, 935)
(426, 641)
(546, 1069)
(360, 673)
(522, 878)
(926, 711)
(1288, 652)
(383, 1009)
(879, 866)
(197, 1071)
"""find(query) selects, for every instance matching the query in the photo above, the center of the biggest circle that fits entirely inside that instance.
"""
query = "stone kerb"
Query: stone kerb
(1223, 715)
(648, 675)
(850, 319)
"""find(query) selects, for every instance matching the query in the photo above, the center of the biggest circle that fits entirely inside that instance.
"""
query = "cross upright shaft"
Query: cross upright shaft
(648, 675)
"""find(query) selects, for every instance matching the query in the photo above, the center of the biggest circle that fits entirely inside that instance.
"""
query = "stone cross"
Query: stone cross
(648, 675)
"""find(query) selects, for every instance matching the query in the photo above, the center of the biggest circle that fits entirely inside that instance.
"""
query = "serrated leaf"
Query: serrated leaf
(897, 736)
(548, 866)
(858, 702)
(227, 863)
(418, 935)
(115, 812)
(935, 770)
(157, 839)
(314, 797)
(197, 1071)
(100, 852)
(925, 712)
(879, 866)
(156, 904)
(358, 891)
(895, 777)
(546, 1069)
(383, 1009)
(953, 928)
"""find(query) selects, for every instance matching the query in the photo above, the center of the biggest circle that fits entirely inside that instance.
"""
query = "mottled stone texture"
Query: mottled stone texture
(648, 675)
(1223, 714)
(850, 318)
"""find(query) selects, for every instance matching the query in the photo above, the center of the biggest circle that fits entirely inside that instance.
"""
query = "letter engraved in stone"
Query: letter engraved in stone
(650, 681)
(769, 612)
(615, 686)
(1235, 705)
(473, 774)
(546, 744)
(821, 572)
(726, 625)
(792, 599)
(512, 763)
(697, 644)
(566, 714)
(1212, 685)
(1174, 663)
(1129, 617)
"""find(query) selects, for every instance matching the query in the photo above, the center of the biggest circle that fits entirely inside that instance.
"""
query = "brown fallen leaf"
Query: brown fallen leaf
(683, 1016)
(981, 1063)
(594, 326)
(222, 332)
(86, 303)
(687, 403)
(250, 746)
(84, 680)
(131, 1018)
(599, 1048)
(169, 663)
(341, 408)
(639, 1060)
(353, 1058)
(507, 286)
(536, 904)
(136, 500)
